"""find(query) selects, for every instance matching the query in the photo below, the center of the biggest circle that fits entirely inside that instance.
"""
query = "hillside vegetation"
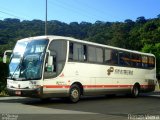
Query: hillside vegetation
(141, 35)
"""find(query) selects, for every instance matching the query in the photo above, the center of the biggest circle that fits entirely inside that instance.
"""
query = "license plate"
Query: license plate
(18, 92)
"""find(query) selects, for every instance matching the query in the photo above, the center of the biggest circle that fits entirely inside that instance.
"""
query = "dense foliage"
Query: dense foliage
(3, 75)
(142, 34)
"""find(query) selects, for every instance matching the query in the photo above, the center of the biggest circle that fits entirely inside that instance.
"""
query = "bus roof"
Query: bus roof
(54, 37)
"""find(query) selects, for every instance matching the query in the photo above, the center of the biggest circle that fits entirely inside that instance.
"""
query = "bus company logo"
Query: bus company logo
(110, 70)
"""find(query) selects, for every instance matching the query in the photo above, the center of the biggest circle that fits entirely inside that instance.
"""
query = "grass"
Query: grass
(1, 60)
(3, 94)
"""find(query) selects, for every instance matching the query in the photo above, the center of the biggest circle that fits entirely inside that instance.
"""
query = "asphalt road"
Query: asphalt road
(147, 106)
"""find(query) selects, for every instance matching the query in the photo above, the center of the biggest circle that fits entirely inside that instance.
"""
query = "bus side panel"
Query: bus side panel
(99, 79)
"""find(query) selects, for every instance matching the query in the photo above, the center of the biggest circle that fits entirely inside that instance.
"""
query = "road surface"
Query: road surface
(147, 106)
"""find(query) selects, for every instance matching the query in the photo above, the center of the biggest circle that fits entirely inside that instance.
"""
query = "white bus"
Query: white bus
(56, 66)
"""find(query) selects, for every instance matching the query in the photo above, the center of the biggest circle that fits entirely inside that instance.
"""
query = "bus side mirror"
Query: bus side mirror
(5, 55)
(50, 60)
(4, 58)
(49, 65)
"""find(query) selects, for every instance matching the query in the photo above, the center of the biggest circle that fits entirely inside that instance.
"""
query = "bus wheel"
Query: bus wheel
(74, 94)
(135, 91)
(45, 99)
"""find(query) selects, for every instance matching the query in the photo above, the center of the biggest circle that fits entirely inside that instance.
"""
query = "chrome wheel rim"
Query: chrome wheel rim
(75, 94)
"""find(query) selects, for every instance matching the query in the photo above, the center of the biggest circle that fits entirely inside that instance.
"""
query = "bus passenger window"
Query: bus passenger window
(77, 52)
(136, 60)
(144, 62)
(110, 57)
(124, 58)
(71, 51)
(99, 55)
(151, 62)
(85, 52)
(91, 54)
(95, 55)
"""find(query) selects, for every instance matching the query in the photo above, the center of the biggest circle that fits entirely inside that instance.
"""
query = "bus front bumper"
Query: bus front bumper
(25, 92)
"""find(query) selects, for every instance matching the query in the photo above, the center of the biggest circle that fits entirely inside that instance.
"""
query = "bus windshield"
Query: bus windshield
(27, 60)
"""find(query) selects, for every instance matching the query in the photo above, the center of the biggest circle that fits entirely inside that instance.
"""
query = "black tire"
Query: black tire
(74, 94)
(110, 95)
(135, 91)
(45, 99)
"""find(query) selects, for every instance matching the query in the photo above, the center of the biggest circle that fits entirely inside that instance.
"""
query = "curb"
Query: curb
(11, 98)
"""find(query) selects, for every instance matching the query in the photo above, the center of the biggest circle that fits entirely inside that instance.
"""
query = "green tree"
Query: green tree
(154, 49)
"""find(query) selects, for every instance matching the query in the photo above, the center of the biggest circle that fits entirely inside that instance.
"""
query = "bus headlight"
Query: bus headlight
(36, 86)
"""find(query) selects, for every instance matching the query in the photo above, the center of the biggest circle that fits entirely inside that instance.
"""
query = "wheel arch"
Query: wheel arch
(138, 85)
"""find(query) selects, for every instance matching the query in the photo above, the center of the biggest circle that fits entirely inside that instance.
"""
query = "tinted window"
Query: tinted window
(144, 61)
(110, 57)
(77, 52)
(91, 54)
(99, 55)
(136, 60)
(124, 58)
(151, 62)
(95, 54)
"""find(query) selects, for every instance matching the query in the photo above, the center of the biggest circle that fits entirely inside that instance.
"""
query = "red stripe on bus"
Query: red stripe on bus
(56, 86)
(107, 86)
(96, 86)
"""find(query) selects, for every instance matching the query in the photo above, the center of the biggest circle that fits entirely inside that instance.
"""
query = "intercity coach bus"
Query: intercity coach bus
(56, 66)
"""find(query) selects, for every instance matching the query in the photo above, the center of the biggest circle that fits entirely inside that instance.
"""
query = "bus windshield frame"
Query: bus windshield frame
(27, 60)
